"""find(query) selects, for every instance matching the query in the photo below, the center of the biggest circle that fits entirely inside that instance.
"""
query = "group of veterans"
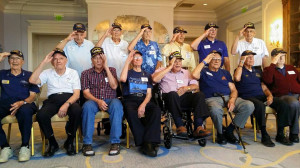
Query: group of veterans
(88, 78)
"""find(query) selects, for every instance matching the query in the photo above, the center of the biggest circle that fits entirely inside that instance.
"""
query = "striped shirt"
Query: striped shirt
(98, 83)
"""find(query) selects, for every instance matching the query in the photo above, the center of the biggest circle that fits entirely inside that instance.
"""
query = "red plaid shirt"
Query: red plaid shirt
(96, 82)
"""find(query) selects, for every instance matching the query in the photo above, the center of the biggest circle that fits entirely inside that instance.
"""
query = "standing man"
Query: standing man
(149, 49)
(177, 44)
(63, 92)
(114, 47)
(99, 86)
(177, 86)
(214, 81)
(251, 43)
(17, 99)
(207, 42)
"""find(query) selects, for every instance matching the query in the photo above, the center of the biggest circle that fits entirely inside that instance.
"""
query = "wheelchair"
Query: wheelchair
(167, 122)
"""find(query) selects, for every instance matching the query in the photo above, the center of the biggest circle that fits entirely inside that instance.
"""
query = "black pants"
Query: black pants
(175, 104)
(260, 110)
(50, 108)
(23, 115)
(146, 129)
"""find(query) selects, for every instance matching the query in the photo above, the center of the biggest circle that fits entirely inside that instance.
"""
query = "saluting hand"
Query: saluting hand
(209, 58)
(48, 58)
(241, 32)
(71, 36)
(142, 31)
(206, 32)
(130, 56)
(104, 61)
(4, 55)
(172, 61)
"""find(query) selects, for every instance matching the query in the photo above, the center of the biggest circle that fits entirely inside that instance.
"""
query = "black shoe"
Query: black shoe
(231, 138)
(221, 139)
(69, 148)
(294, 138)
(149, 150)
(51, 150)
(283, 140)
(266, 140)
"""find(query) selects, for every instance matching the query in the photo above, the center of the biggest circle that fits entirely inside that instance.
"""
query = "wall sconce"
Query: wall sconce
(276, 33)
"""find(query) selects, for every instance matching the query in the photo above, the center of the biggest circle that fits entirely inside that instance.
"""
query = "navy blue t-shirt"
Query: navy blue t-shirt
(16, 86)
(137, 82)
(215, 82)
(250, 83)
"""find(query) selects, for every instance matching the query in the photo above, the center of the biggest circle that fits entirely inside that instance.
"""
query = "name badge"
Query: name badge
(152, 52)
(5, 81)
(188, 56)
(206, 46)
(144, 79)
(106, 80)
(208, 73)
(291, 72)
(180, 81)
(72, 48)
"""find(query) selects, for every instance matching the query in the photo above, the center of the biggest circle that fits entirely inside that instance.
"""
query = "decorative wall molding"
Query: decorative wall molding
(160, 3)
(2, 4)
(192, 15)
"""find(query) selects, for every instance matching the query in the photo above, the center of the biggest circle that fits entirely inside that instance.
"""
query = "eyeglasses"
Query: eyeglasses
(138, 57)
(216, 59)
(249, 31)
(15, 58)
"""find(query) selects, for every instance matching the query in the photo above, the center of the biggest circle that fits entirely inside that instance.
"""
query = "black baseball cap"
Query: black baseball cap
(248, 52)
(79, 27)
(16, 52)
(277, 51)
(117, 25)
(138, 52)
(176, 54)
(57, 50)
(179, 30)
(209, 25)
(215, 51)
(249, 25)
(96, 50)
(146, 25)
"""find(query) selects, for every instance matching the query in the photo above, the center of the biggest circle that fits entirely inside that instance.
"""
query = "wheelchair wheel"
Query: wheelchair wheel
(202, 142)
(168, 140)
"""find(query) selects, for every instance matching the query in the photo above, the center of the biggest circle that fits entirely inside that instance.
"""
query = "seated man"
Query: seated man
(284, 83)
(63, 93)
(99, 86)
(250, 87)
(177, 86)
(17, 96)
(214, 81)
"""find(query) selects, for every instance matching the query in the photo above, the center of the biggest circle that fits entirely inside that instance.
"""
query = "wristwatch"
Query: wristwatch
(69, 103)
(24, 102)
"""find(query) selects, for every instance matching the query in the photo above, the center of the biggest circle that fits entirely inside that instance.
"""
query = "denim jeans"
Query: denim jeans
(115, 111)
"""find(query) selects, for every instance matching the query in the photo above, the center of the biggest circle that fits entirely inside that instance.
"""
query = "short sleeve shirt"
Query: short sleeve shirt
(116, 54)
(206, 46)
(257, 45)
(173, 81)
(79, 57)
(151, 54)
(67, 82)
(186, 52)
(137, 82)
(16, 86)
(250, 83)
(98, 83)
(215, 82)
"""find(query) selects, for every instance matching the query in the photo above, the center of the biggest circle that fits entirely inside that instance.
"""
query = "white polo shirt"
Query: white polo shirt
(116, 54)
(79, 57)
(258, 46)
(64, 83)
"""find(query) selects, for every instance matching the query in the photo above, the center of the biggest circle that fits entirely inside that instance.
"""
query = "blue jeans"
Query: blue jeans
(115, 111)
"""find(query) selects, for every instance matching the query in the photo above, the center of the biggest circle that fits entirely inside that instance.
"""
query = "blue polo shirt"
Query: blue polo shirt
(16, 86)
(250, 83)
(151, 54)
(215, 82)
(206, 46)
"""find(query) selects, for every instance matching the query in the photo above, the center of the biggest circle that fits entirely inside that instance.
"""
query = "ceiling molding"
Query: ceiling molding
(154, 3)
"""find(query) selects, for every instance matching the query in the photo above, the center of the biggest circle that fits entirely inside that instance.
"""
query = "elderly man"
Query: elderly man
(114, 47)
(284, 82)
(17, 96)
(177, 44)
(251, 43)
(99, 86)
(63, 92)
(207, 42)
(177, 86)
(250, 87)
(215, 81)
(149, 49)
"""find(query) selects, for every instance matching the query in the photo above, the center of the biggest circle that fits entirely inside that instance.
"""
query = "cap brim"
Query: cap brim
(117, 27)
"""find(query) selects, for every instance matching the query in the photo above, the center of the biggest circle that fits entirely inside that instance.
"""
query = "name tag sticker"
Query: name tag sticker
(152, 52)
(180, 81)
(291, 72)
(208, 73)
(206, 46)
(106, 80)
(188, 56)
(144, 79)
(5, 81)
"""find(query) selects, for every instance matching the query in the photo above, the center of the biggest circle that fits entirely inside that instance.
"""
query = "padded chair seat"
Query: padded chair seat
(13, 119)
(55, 118)
(101, 114)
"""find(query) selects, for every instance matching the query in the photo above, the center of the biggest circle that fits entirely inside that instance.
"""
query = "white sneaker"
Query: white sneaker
(24, 154)
(6, 153)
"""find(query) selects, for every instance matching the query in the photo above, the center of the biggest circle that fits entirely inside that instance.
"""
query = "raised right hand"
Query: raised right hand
(241, 32)
(48, 58)
(71, 36)
(209, 58)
